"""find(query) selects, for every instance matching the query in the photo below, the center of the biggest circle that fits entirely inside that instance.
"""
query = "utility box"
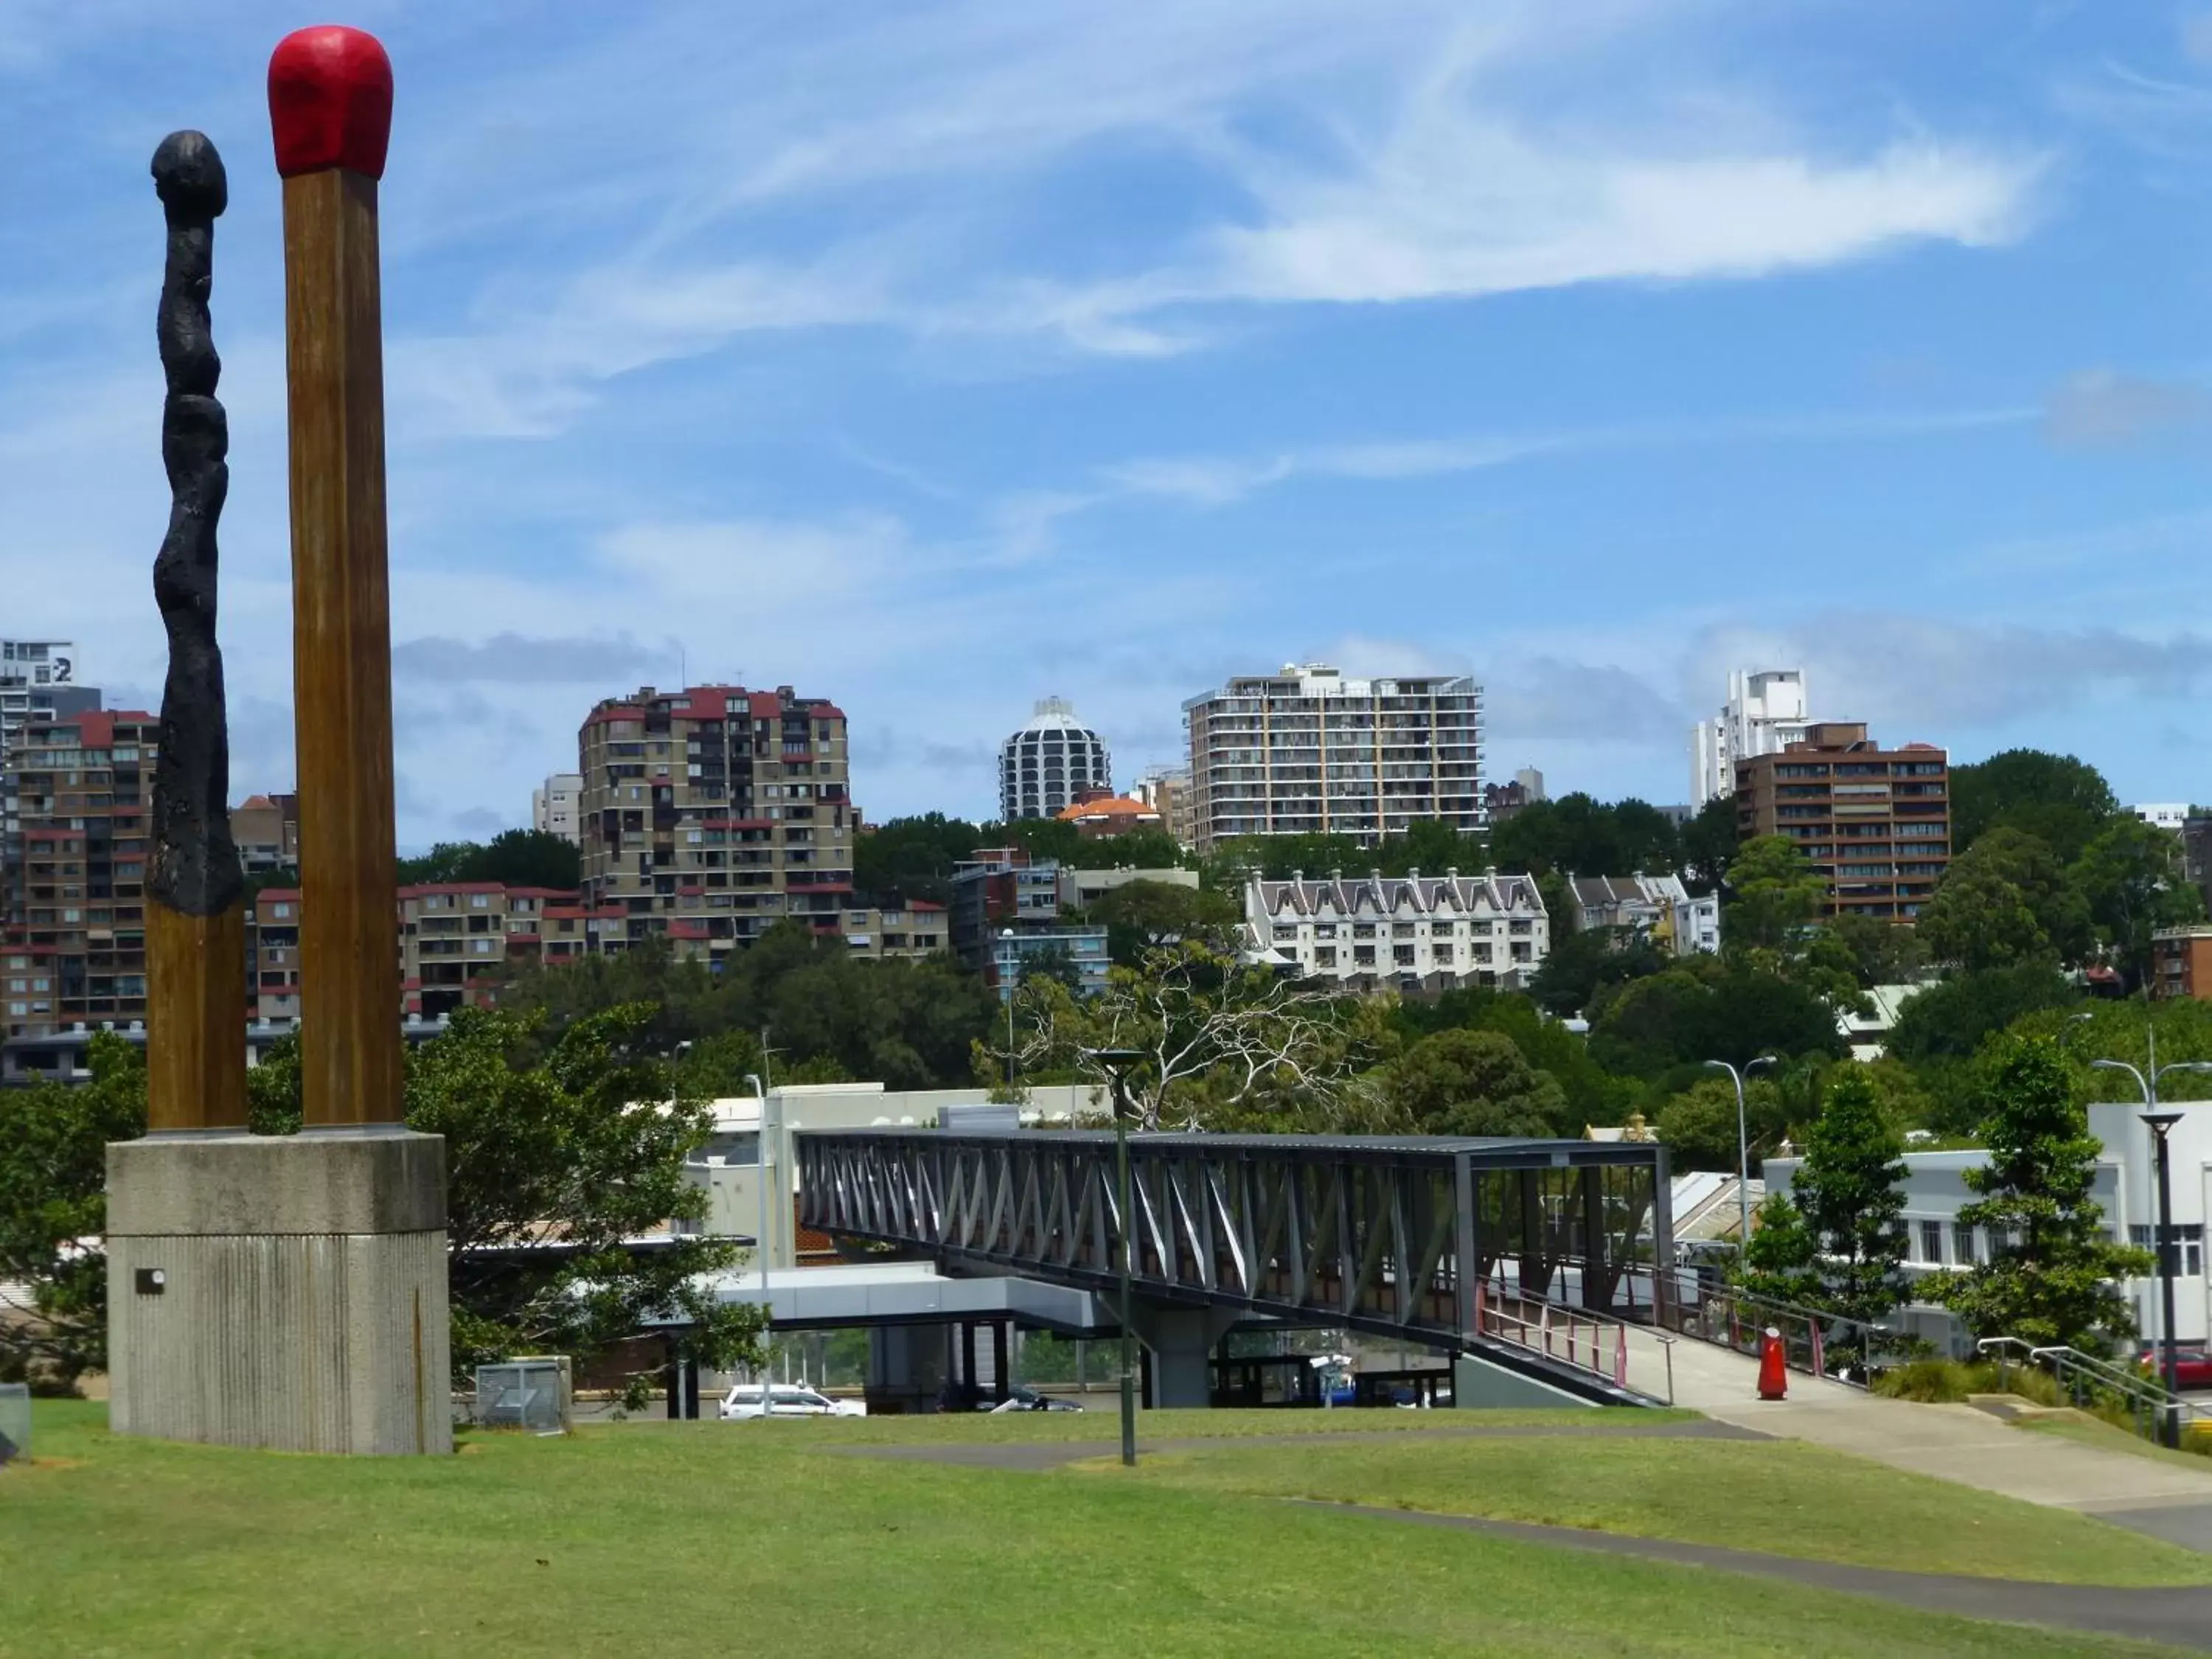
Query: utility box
(15, 1423)
(533, 1394)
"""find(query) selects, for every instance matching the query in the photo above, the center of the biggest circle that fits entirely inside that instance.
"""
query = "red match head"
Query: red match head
(330, 100)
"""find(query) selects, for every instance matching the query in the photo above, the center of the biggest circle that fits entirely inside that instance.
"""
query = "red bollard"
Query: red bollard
(1773, 1371)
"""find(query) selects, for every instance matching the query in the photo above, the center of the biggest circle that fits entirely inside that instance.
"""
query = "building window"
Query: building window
(1931, 1242)
(1963, 1244)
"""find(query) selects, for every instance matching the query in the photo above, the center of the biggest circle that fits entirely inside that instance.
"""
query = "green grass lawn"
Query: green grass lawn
(2086, 1431)
(1781, 1496)
(631, 1538)
(1103, 1422)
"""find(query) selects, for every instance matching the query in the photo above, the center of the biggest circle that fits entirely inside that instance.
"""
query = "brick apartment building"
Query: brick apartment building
(456, 942)
(707, 816)
(76, 945)
(1874, 823)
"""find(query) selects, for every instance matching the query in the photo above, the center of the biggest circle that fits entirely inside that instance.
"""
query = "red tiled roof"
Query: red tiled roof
(1112, 806)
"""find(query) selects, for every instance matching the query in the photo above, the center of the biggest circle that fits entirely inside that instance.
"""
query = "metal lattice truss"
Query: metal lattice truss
(1391, 1236)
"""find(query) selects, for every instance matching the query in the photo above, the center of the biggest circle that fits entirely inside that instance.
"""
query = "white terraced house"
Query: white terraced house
(1412, 933)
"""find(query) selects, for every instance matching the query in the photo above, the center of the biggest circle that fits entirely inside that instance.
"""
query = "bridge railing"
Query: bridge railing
(2090, 1383)
(1822, 1345)
(1627, 1355)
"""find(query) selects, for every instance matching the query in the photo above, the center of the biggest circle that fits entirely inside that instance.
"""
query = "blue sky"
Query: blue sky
(938, 358)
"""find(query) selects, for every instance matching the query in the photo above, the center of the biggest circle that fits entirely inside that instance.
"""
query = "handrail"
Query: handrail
(2085, 1374)
(1588, 1340)
(1808, 1333)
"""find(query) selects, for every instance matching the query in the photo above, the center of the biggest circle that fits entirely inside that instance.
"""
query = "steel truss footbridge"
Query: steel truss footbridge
(1535, 1254)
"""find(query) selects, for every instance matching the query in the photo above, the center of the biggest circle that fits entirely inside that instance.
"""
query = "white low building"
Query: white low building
(1410, 932)
(2126, 1188)
(1659, 907)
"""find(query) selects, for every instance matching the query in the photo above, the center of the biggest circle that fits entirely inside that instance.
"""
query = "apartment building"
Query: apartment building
(458, 941)
(266, 831)
(1049, 763)
(1765, 713)
(1876, 823)
(1167, 791)
(75, 950)
(1412, 933)
(553, 806)
(1660, 907)
(707, 816)
(919, 929)
(39, 682)
(1309, 751)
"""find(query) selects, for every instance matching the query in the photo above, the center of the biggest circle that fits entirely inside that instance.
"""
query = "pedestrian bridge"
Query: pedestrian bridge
(1531, 1254)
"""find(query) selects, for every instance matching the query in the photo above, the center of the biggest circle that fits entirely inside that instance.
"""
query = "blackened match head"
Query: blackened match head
(188, 177)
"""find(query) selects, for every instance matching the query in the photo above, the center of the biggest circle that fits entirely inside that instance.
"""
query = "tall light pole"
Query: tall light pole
(1742, 1151)
(2161, 1124)
(1006, 992)
(1117, 1063)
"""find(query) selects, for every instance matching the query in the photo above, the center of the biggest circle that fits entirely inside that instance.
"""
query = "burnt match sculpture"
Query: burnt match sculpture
(195, 889)
(283, 1291)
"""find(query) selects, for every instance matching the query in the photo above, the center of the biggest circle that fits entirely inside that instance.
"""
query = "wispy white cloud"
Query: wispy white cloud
(2102, 408)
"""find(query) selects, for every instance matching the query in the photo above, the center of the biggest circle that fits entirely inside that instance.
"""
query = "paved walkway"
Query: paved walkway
(1952, 1442)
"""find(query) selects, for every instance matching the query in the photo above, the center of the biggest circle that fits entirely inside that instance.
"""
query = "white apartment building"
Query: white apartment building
(1412, 933)
(2165, 814)
(553, 806)
(2126, 1188)
(1308, 752)
(1048, 763)
(1766, 712)
(1659, 906)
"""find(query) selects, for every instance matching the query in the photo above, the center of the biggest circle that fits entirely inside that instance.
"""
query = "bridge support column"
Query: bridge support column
(1182, 1340)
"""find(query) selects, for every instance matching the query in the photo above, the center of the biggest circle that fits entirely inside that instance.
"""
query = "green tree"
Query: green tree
(54, 1210)
(912, 858)
(1782, 1260)
(1879, 952)
(1709, 844)
(2130, 877)
(2050, 1277)
(517, 857)
(1701, 1010)
(587, 1145)
(1772, 895)
(1953, 1019)
(1579, 965)
(1579, 835)
(2061, 801)
(1471, 1083)
(1144, 915)
(2005, 902)
(1848, 1188)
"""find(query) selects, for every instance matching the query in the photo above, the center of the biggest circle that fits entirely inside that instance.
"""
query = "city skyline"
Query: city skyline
(1116, 356)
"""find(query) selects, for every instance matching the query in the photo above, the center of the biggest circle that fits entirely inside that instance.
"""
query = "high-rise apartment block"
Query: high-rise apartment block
(1049, 763)
(1308, 752)
(553, 806)
(76, 949)
(1876, 823)
(39, 682)
(1765, 713)
(1166, 790)
(709, 815)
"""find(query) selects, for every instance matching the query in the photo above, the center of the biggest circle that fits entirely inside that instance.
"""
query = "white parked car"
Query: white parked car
(786, 1399)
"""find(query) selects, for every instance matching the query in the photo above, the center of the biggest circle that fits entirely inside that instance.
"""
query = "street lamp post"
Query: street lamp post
(1742, 1151)
(1007, 993)
(1117, 1064)
(2161, 1124)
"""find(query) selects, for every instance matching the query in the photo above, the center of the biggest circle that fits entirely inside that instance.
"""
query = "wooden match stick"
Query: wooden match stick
(195, 889)
(329, 106)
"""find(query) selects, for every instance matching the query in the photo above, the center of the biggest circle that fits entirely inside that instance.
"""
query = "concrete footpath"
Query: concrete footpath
(1953, 1442)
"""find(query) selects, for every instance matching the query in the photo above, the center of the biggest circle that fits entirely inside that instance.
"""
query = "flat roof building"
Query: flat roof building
(1874, 823)
(1309, 751)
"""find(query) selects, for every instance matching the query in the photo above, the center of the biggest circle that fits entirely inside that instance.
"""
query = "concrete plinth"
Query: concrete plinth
(282, 1292)
(1183, 1341)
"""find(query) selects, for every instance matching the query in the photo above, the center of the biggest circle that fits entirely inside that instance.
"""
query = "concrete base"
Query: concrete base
(281, 1291)
(1478, 1383)
(1183, 1341)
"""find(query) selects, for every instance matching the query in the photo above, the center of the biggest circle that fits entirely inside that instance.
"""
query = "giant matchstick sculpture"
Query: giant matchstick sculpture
(285, 1292)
